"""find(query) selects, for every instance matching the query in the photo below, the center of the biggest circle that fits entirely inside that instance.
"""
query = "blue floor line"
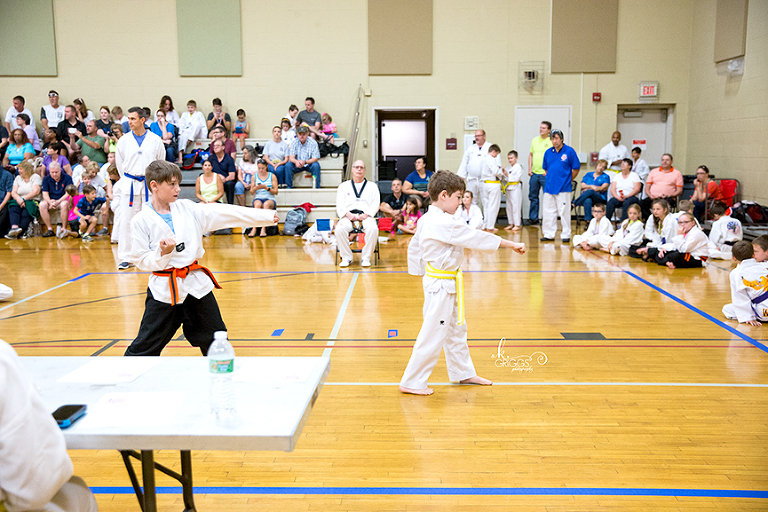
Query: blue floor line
(700, 312)
(457, 491)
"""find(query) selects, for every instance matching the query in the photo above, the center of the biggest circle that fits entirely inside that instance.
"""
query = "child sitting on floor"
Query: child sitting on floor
(410, 216)
(598, 226)
(760, 246)
(629, 233)
(726, 231)
(686, 250)
(749, 298)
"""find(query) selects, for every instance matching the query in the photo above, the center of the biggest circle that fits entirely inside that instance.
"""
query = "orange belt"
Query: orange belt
(173, 273)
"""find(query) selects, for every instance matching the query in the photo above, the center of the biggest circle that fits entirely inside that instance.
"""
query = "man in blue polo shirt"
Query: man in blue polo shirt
(55, 198)
(561, 164)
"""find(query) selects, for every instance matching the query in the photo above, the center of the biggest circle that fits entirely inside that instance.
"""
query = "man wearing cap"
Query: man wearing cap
(562, 165)
(50, 115)
(471, 165)
(304, 156)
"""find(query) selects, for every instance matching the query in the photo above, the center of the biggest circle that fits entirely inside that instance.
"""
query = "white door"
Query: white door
(648, 128)
(527, 122)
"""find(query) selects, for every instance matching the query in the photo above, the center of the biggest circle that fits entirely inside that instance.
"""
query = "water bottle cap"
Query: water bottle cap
(220, 335)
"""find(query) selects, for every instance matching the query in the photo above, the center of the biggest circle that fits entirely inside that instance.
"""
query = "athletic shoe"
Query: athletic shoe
(87, 238)
(103, 231)
(49, 234)
(566, 240)
(14, 233)
(125, 265)
(113, 242)
(365, 263)
(345, 263)
(545, 239)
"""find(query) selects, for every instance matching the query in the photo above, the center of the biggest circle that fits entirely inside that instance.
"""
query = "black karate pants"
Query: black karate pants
(679, 259)
(199, 318)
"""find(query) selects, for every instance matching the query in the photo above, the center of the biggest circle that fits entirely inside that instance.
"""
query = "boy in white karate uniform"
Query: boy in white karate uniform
(726, 231)
(490, 174)
(749, 287)
(598, 226)
(629, 233)
(513, 189)
(168, 241)
(436, 252)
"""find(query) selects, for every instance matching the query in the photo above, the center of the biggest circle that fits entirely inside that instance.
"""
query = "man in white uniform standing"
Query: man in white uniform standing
(357, 195)
(471, 165)
(135, 151)
(614, 153)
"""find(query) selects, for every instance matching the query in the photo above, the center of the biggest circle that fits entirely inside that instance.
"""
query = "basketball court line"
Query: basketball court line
(340, 317)
(565, 384)
(43, 292)
(458, 491)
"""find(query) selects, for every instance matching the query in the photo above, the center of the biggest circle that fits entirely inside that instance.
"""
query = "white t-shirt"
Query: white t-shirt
(53, 115)
(276, 150)
(10, 117)
(624, 185)
(288, 136)
(25, 187)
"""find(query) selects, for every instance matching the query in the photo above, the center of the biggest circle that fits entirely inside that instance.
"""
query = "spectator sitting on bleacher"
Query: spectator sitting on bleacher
(104, 123)
(264, 189)
(224, 165)
(218, 117)
(276, 154)
(393, 203)
(303, 156)
(117, 132)
(312, 119)
(288, 132)
(25, 196)
(191, 126)
(67, 130)
(54, 197)
(329, 127)
(23, 121)
(219, 133)
(79, 168)
(49, 137)
(594, 186)
(293, 112)
(664, 182)
(92, 145)
(83, 114)
(118, 115)
(706, 190)
(167, 133)
(19, 149)
(359, 195)
(242, 127)
(209, 187)
(17, 108)
(166, 105)
(245, 172)
(416, 182)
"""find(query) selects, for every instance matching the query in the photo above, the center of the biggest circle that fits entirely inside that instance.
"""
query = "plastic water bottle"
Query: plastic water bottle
(221, 365)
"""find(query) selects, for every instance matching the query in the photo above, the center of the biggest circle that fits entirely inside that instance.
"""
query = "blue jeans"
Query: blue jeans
(587, 199)
(291, 169)
(535, 184)
(614, 203)
(279, 173)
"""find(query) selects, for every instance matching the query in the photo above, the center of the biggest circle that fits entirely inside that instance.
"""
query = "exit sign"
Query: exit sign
(649, 91)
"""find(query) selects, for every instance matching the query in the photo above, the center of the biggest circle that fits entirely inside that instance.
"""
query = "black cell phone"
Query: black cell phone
(66, 415)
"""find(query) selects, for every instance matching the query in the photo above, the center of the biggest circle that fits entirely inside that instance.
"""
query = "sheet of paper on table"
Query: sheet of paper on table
(292, 370)
(140, 409)
(111, 370)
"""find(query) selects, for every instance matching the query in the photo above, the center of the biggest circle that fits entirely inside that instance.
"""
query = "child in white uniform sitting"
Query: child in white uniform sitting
(436, 252)
(469, 212)
(629, 233)
(726, 231)
(749, 297)
(688, 249)
(660, 227)
(599, 226)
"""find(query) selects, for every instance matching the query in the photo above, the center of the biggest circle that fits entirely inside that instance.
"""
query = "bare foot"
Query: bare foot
(494, 230)
(516, 228)
(509, 228)
(670, 264)
(423, 392)
(477, 380)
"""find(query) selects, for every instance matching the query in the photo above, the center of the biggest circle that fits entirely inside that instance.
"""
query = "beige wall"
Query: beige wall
(477, 47)
(729, 117)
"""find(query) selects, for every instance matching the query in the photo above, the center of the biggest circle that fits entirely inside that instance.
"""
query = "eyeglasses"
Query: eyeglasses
(261, 161)
(686, 222)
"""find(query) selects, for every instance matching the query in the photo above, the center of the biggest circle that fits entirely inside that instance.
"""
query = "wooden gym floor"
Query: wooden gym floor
(620, 386)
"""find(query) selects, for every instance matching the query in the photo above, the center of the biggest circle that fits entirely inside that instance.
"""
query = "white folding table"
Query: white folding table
(274, 396)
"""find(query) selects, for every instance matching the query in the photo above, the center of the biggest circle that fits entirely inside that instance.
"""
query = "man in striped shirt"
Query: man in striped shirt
(304, 156)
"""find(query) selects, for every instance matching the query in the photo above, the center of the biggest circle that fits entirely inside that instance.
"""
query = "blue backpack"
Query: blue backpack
(295, 222)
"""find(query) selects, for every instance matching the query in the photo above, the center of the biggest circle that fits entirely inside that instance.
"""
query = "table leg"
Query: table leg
(148, 475)
(186, 481)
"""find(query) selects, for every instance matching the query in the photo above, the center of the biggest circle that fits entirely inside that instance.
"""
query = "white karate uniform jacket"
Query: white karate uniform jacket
(34, 463)
(514, 193)
(594, 232)
(694, 242)
(440, 240)
(368, 203)
(629, 234)
(190, 221)
(725, 229)
(471, 169)
(668, 231)
(134, 159)
(748, 280)
(472, 217)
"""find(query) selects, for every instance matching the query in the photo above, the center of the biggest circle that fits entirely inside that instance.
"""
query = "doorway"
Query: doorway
(646, 127)
(402, 136)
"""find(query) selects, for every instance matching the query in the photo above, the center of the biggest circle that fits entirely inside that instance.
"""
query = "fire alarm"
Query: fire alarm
(596, 96)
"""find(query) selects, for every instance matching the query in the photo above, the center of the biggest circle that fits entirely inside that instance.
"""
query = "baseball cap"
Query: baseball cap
(303, 129)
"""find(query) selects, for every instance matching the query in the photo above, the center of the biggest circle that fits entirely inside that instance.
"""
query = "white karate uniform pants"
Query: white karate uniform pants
(474, 186)
(514, 205)
(491, 193)
(344, 227)
(126, 214)
(5, 292)
(726, 253)
(74, 496)
(593, 240)
(730, 312)
(439, 332)
(554, 205)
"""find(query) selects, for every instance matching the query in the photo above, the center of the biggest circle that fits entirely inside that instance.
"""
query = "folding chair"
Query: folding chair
(357, 230)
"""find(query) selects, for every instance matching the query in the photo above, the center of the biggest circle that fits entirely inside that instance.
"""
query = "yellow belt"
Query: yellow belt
(451, 274)
(509, 184)
(491, 181)
(2, 507)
